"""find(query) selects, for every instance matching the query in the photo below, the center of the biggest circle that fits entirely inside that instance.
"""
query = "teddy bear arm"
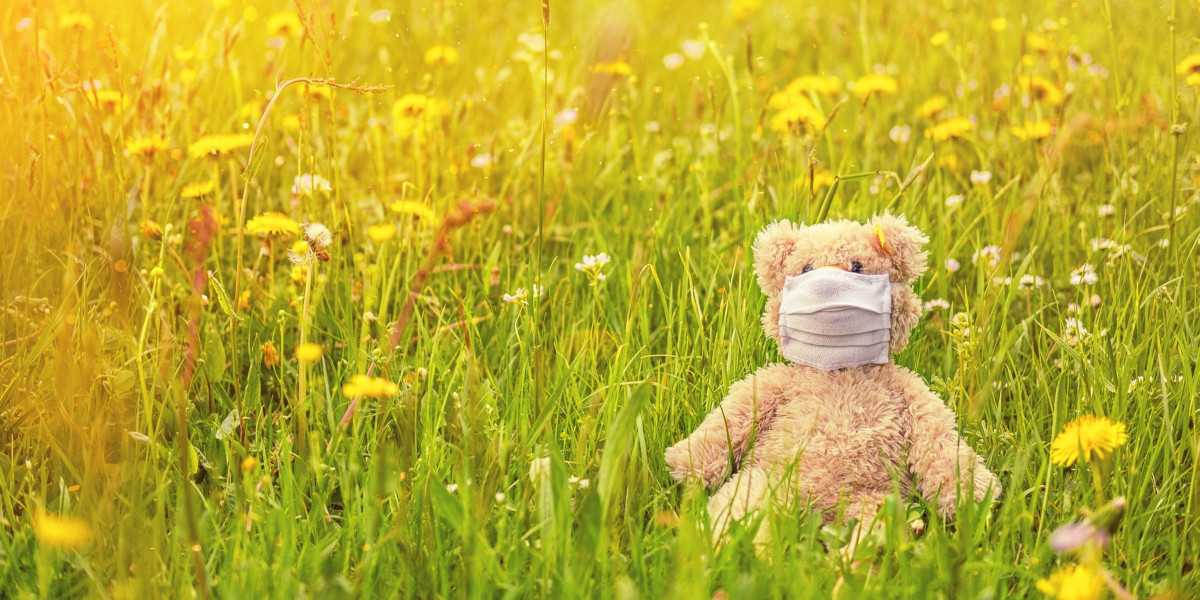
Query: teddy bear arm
(943, 464)
(727, 430)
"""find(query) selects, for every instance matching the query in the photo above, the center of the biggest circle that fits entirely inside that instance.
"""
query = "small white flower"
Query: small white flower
(1074, 331)
(566, 117)
(1084, 275)
(1164, 243)
(1029, 282)
(593, 265)
(952, 265)
(900, 134)
(1095, 300)
(500, 497)
(673, 61)
(533, 42)
(989, 253)
(981, 177)
(481, 161)
(308, 185)
(520, 296)
(653, 126)
(935, 304)
(693, 49)
(954, 200)
(1073, 309)
(381, 16)
(452, 488)
(584, 483)
(1106, 210)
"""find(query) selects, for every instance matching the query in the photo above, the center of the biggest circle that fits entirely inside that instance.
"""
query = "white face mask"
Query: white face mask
(832, 319)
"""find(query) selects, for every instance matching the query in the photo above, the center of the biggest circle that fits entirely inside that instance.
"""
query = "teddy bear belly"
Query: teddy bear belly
(835, 459)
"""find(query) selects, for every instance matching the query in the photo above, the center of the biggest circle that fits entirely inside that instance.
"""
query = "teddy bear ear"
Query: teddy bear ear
(902, 243)
(774, 244)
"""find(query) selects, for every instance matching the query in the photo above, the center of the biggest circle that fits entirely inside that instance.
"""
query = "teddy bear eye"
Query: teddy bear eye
(856, 267)
(806, 269)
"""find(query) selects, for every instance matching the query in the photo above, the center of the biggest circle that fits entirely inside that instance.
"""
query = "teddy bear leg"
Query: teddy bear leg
(743, 494)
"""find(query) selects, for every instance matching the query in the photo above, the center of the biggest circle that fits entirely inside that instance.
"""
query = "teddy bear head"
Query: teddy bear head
(884, 245)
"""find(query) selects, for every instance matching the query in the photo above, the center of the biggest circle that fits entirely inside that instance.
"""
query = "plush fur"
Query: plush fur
(840, 440)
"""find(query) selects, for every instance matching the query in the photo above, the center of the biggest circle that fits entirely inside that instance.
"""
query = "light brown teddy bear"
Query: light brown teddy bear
(834, 428)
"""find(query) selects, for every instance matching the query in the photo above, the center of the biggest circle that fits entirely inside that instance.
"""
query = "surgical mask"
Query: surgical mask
(830, 319)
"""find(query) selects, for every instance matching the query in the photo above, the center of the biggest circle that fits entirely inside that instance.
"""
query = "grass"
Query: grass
(522, 454)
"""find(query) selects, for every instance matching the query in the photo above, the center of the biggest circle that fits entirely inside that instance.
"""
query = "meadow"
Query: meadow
(532, 274)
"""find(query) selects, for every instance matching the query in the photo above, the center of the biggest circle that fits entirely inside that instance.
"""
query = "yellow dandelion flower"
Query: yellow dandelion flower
(951, 129)
(219, 145)
(820, 84)
(199, 189)
(875, 83)
(318, 92)
(147, 146)
(441, 55)
(744, 9)
(999, 24)
(1190, 65)
(799, 117)
(106, 100)
(1073, 582)
(1193, 79)
(272, 223)
(56, 531)
(410, 207)
(618, 68)
(932, 106)
(1033, 130)
(151, 229)
(1085, 437)
(382, 232)
(940, 38)
(182, 54)
(1038, 42)
(370, 387)
(1043, 90)
(284, 23)
(249, 463)
(76, 20)
(309, 352)
(416, 113)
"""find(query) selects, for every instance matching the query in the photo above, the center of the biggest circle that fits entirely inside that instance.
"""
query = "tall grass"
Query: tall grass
(523, 454)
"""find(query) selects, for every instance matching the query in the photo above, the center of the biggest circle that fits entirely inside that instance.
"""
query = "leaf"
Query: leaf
(258, 151)
(122, 381)
(214, 354)
(228, 425)
(618, 443)
(223, 297)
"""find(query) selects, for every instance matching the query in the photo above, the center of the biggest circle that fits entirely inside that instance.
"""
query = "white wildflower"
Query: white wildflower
(1106, 210)
(952, 265)
(673, 61)
(981, 177)
(989, 253)
(307, 185)
(1084, 275)
(935, 304)
(693, 49)
(954, 200)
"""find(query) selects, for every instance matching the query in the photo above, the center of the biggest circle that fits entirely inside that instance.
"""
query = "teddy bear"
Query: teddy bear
(839, 426)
